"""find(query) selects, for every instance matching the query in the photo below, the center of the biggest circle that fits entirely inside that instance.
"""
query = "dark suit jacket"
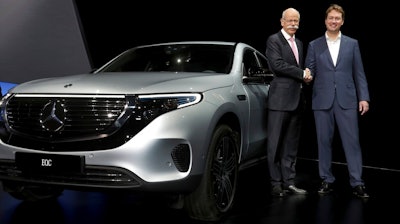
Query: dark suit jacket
(347, 80)
(284, 92)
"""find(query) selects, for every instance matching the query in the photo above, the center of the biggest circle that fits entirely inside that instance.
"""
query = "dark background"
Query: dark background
(109, 27)
(38, 39)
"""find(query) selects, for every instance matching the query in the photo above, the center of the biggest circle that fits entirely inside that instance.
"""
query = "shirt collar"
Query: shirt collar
(338, 37)
(287, 36)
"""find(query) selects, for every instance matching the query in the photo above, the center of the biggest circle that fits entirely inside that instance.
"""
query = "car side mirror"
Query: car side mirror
(258, 75)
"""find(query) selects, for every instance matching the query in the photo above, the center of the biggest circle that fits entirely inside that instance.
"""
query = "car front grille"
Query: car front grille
(93, 176)
(58, 118)
(70, 123)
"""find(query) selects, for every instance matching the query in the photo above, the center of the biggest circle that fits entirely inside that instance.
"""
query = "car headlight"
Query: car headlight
(3, 106)
(148, 107)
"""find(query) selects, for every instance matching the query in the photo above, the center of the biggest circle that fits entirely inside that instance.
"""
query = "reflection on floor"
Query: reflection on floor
(255, 204)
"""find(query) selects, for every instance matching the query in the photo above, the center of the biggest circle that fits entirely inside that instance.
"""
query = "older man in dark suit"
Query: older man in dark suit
(285, 104)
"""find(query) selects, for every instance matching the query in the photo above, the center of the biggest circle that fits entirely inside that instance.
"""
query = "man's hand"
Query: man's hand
(307, 77)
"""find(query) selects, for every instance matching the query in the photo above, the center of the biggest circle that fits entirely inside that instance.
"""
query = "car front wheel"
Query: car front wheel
(215, 195)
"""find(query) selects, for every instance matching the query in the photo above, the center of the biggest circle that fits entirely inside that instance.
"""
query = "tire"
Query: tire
(216, 193)
(32, 193)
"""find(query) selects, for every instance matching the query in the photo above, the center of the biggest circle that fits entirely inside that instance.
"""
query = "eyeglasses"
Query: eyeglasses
(295, 21)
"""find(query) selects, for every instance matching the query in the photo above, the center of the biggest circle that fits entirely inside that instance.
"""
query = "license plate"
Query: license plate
(49, 163)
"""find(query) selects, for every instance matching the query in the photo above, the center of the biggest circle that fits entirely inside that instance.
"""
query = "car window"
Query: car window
(176, 58)
(249, 61)
(263, 61)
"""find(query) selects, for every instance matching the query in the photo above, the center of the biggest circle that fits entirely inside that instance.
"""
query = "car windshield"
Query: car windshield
(175, 58)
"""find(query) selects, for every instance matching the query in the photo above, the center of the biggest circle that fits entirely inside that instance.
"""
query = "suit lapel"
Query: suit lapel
(325, 51)
(300, 51)
(285, 43)
(287, 47)
(342, 48)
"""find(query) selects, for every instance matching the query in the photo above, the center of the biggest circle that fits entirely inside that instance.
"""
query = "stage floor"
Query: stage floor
(255, 205)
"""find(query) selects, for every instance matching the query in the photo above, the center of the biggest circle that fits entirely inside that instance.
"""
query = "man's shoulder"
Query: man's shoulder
(347, 38)
(318, 39)
(275, 36)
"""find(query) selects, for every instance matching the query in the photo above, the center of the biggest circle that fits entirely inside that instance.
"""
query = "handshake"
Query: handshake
(307, 76)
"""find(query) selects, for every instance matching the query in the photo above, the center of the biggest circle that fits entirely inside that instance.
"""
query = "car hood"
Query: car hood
(126, 83)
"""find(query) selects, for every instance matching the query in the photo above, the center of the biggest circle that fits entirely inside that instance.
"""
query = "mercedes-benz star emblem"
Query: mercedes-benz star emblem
(52, 116)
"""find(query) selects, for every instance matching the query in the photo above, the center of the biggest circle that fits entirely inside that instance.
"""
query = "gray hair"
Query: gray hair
(290, 9)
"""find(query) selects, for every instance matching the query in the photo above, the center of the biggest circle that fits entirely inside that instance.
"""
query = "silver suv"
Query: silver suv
(178, 118)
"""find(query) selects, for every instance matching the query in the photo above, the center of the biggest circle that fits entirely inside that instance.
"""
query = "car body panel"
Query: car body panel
(163, 132)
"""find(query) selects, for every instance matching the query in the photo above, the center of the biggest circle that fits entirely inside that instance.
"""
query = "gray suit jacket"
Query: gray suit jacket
(347, 80)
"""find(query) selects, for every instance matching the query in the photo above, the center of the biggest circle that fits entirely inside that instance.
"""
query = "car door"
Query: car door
(254, 67)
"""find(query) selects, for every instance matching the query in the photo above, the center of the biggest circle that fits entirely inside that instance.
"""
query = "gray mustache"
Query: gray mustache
(293, 27)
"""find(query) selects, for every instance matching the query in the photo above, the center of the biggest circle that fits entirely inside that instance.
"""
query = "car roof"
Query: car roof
(191, 42)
